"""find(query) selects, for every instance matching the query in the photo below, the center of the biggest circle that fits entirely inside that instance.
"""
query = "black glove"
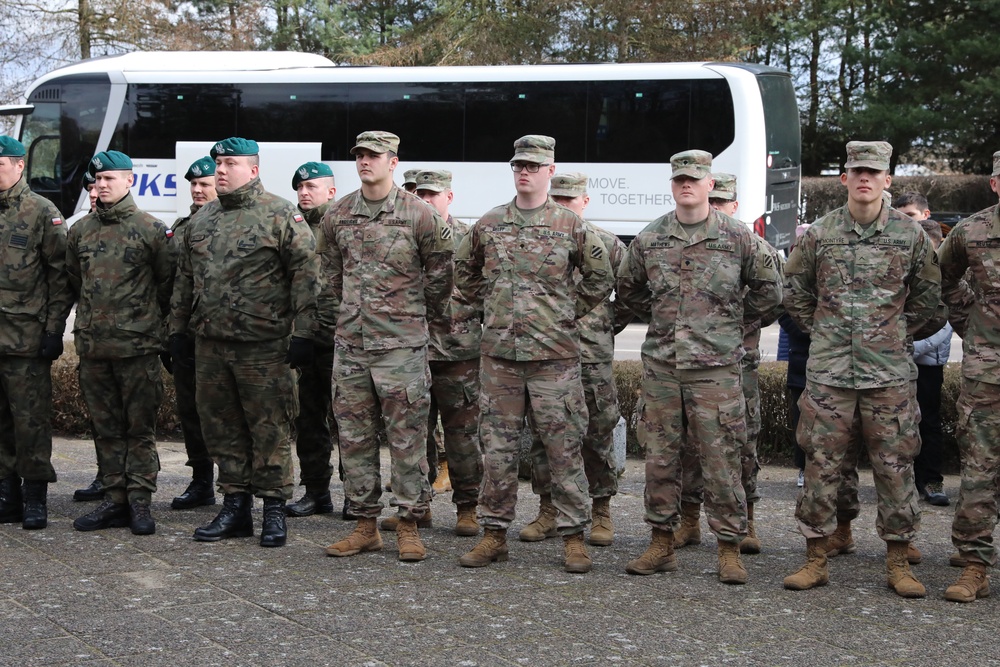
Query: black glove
(52, 346)
(300, 352)
(182, 351)
(167, 362)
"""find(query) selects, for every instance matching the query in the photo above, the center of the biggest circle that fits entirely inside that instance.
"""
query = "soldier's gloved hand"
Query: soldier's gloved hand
(167, 362)
(300, 352)
(182, 350)
(52, 346)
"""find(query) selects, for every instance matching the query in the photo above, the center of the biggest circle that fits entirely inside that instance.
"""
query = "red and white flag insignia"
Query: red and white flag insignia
(56, 221)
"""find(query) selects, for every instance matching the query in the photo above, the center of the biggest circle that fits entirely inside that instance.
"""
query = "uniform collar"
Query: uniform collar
(360, 206)
(710, 230)
(314, 215)
(13, 194)
(117, 212)
(848, 223)
(243, 196)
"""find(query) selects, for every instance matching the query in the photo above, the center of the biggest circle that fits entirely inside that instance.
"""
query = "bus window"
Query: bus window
(297, 112)
(410, 110)
(159, 115)
(41, 137)
(781, 121)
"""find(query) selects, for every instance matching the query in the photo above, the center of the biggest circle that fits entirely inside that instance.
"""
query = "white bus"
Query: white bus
(618, 123)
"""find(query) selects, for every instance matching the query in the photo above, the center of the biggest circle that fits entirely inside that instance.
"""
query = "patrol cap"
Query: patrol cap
(570, 184)
(110, 161)
(200, 168)
(11, 147)
(535, 148)
(868, 155)
(725, 186)
(996, 164)
(234, 146)
(309, 171)
(694, 164)
(435, 181)
(377, 142)
(410, 176)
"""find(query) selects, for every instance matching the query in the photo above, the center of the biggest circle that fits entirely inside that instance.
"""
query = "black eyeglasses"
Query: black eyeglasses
(530, 167)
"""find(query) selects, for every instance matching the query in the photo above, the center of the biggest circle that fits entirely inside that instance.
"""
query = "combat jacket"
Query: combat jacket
(752, 326)
(859, 293)
(248, 270)
(457, 334)
(599, 326)
(973, 246)
(120, 266)
(34, 289)
(387, 274)
(522, 272)
(692, 290)
(326, 309)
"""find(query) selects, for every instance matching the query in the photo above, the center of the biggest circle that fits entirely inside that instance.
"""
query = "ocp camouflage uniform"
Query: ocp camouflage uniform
(120, 266)
(597, 352)
(973, 245)
(35, 298)
(391, 270)
(692, 291)
(521, 270)
(247, 278)
(858, 293)
(453, 354)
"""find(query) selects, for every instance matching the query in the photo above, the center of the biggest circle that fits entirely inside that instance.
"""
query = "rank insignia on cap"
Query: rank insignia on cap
(97, 163)
(56, 221)
(304, 173)
(220, 149)
(196, 170)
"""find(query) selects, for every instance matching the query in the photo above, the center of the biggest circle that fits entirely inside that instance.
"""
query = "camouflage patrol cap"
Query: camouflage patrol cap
(535, 148)
(435, 181)
(234, 146)
(725, 186)
(377, 142)
(693, 164)
(868, 155)
(309, 171)
(996, 164)
(110, 161)
(410, 176)
(571, 184)
(200, 168)
(11, 147)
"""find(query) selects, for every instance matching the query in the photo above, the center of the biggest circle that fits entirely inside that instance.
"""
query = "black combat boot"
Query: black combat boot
(11, 504)
(233, 520)
(314, 501)
(93, 492)
(273, 532)
(200, 491)
(140, 520)
(107, 515)
(36, 514)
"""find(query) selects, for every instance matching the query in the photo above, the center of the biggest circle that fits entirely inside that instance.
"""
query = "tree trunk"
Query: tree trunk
(83, 19)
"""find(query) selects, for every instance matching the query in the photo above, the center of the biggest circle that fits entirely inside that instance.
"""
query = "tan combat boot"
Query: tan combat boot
(731, 570)
(442, 483)
(544, 524)
(364, 538)
(577, 558)
(659, 557)
(972, 583)
(602, 531)
(493, 547)
(389, 523)
(900, 579)
(913, 555)
(690, 529)
(814, 573)
(841, 542)
(750, 543)
(408, 540)
(466, 525)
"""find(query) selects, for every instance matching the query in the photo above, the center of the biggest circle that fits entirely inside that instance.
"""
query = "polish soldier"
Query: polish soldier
(36, 302)
(245, 297)
(696, 273)
(120, 266)
(519, 261)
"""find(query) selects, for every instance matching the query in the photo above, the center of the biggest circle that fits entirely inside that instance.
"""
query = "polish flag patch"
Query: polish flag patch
(169, 233)
(56, 221)
(298, 218)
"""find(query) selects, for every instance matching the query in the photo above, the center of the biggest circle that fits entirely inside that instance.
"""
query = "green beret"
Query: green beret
(868, 155)
(694, 164)
(534, 148)
(725, 187)
(110, 161)
(201, 168)
(309, 171)
(234, 146)
(377, 142)
(88, 178)
(571, 184)
(11, 147)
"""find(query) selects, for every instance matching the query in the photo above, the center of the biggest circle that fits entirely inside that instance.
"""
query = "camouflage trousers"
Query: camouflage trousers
(978, 433)
(247, 399)
(833, 421)
(123, 396)
(552, 391)
(187, 411)
(601, 396)
(455, 395)
(693, 485)
(26, 419)
(372, 387)
(704, 407)
(315, 427)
